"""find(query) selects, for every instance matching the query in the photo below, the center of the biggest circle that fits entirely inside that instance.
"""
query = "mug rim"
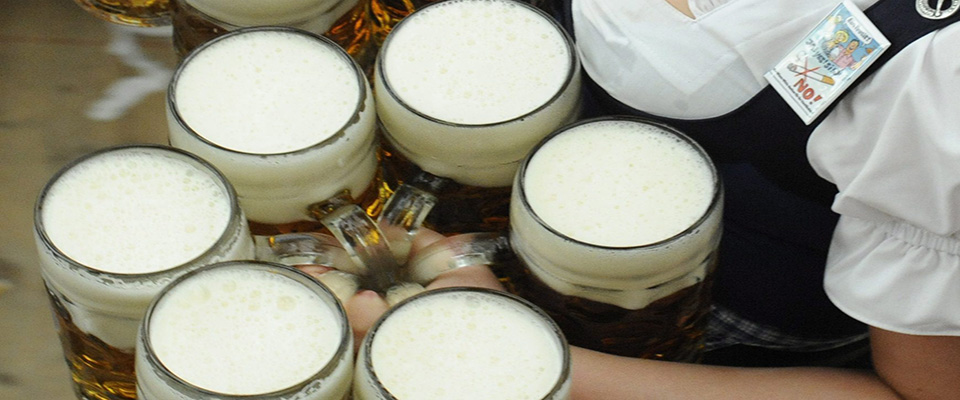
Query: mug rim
(715, 200)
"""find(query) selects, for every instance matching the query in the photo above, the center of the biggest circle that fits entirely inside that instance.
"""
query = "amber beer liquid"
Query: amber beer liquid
(245, 329)
(289, 119)
(617, 223)
(463, 344)
(464, 89)
(143, 13)
(347, 22)
(388, 13)
(113, 228)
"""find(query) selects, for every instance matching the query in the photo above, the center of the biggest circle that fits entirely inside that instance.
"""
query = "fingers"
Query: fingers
(342, 284)
(314, 270)
(472, 276)
(363, 310)
(424, 238)
(365, 307)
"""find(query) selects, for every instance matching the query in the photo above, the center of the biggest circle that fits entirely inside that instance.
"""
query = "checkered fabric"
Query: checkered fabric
(726, 328)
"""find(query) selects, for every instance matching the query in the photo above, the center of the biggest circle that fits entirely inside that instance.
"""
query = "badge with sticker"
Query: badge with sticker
(824, 64)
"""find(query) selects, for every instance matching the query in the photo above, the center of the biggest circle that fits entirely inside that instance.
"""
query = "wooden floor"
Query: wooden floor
(69, 84)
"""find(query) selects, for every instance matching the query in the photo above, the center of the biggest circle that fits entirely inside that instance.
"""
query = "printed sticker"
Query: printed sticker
(824, 64)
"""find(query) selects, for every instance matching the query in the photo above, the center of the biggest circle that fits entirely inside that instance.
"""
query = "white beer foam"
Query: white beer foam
(618, 184)
(466, 346)
(267, 93)
(498, 61)
(263, 12)
(243, 331)
(264, 92)
(132, 212)
(623, 190)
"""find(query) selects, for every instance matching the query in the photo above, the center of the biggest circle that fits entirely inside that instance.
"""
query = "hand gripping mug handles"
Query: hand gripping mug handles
(361, 250)
(458, 251)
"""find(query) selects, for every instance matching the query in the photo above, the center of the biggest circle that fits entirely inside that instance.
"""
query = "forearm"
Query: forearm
(598, 376)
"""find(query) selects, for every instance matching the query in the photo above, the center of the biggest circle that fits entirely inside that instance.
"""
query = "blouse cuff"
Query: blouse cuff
(895, 276)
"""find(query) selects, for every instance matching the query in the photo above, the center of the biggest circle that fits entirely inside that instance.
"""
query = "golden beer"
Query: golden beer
(388, 13)
(458, 115)
(347, 22)
(130, 12)
(670, 328)
(99, 370)
(112, 229)
(616, 224)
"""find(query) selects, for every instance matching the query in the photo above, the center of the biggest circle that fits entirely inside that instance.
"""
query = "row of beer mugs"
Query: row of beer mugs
(150, 267)
(614, 222)
(359, 26)
(246, 329)
(464, 110)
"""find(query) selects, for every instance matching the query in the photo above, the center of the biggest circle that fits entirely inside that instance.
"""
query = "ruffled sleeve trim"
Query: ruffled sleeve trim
(895, 276)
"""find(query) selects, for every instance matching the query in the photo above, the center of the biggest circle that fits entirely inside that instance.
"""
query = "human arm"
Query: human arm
(908, 367)
(911, 366)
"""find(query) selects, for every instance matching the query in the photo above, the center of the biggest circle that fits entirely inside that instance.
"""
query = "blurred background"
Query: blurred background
(69, 84)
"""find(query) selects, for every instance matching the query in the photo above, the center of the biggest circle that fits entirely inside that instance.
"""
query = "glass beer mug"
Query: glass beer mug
(346, 22)
(142, 13)
(288, 117)
(241, 330)
(458, 114)
(616, 223)
(112, 229)
(463, 343)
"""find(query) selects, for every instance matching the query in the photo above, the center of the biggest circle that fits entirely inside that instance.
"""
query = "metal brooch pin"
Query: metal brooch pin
(943, 8)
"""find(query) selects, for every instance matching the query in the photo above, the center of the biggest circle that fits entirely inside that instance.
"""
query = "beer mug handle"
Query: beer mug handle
(370, 252)
(313, 250)
(367, 246)
(310, 248)
(379, 249)
(463, 250)
(402, 216)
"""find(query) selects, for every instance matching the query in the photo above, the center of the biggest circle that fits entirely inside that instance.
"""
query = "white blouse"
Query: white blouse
(892, 146)
(893, 149)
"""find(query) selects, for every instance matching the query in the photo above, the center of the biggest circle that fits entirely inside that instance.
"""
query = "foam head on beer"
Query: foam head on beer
(463, 344)
(621, 184)
(283, 113)
(268, 92)
(473, 85)
(246, 328)
(603, 202)
(135, 212)
(128, 219)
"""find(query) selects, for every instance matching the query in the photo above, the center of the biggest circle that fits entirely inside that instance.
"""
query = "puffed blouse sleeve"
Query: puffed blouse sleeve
(892, 147)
